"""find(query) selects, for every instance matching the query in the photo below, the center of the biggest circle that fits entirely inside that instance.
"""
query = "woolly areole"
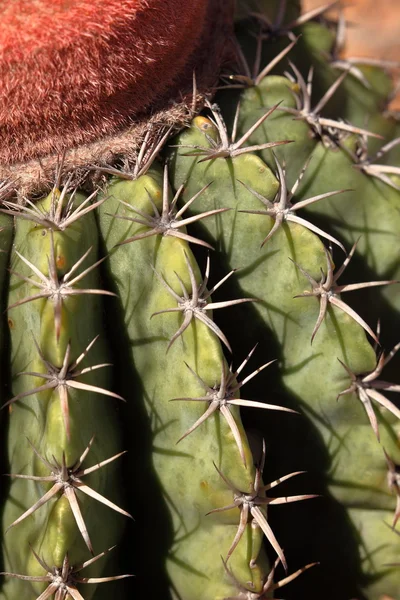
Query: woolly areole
(75, 70)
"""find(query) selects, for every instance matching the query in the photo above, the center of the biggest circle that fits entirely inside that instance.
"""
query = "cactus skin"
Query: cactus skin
(52, 530)
(269, 276)
(193, 476)
(165, 376)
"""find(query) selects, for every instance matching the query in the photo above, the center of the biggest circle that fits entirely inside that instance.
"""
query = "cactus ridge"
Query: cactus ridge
(195, 305)
(321, 126)
(54, 288)
(176, 257)
(63, 580)
(327, 291)
(366, 387)
(52, 353)
(169, 221)
(222, 396)
(281, 208)
(248, 593)
(67, 481)
(193, 467)
(64, 379)
(228, 147)
(250, 505)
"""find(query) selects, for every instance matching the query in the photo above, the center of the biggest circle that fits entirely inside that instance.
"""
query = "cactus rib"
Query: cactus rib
(54, 288)
(250, 503)
(311, 115)
(168, 221)
(67, 480)
(222, 396)
(63, 580)
(249, 593)
(196, 304)
(62, 379)
(327, 291)
(228, 147)
(366, 387)
(281, 208)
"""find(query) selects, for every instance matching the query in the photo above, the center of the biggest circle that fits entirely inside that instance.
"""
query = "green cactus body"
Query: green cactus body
(364, 90)
(186, 471)
(279, 204)
(38, 419)
(279, 125)
(269, 276)
(354, 99)
(367, 210)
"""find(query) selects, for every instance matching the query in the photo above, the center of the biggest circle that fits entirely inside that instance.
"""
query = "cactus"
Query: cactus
(144, 269)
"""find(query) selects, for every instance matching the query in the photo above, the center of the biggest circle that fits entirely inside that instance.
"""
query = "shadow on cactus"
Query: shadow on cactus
(151, 258)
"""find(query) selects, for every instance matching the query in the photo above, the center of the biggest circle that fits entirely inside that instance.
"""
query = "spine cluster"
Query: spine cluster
(135, 312)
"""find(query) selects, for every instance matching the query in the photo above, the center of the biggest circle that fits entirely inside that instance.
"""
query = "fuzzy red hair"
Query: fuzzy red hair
(74, 70)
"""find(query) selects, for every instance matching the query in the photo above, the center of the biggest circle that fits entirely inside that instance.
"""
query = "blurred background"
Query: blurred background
(373, 30)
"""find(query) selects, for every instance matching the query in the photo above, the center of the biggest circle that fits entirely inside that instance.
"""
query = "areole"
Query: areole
(87, 77)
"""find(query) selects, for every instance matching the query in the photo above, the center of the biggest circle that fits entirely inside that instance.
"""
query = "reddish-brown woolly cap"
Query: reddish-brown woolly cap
(72, 71)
